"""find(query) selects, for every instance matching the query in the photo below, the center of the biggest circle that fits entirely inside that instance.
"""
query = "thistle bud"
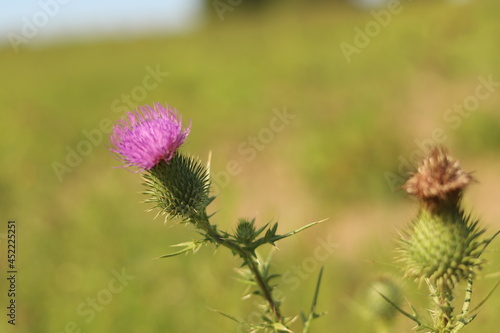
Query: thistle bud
(179, 187)
(376, 305)
(442, 247)
(245, 231)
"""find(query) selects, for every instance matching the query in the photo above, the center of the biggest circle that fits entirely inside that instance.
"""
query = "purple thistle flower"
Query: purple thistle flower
(147, 136)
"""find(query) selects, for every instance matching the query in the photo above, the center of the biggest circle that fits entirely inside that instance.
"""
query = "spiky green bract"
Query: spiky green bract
(443, 248)
(179, 188)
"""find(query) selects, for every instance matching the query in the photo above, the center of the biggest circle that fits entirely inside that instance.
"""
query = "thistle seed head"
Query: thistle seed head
(439, 180)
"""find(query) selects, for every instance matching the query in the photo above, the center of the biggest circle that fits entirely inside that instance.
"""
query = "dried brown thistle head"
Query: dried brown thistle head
(439, 180)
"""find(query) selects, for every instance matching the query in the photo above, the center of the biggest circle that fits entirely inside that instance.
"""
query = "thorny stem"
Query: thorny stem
(443, 298)
(445, 308)
(253, 265)
(247, 258)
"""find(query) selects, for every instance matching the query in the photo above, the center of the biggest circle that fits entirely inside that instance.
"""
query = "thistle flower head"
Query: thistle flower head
(147, 136)
(439, 179)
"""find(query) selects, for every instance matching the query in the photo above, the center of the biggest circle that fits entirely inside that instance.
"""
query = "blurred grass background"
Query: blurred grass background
(352, 123)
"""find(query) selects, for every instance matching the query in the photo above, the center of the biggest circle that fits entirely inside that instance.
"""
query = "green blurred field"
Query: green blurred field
(352, 123)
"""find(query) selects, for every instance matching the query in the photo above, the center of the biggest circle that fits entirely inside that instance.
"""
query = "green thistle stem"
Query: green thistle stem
(214, 236)
(253, 265)
(446, 309)
(444, 312)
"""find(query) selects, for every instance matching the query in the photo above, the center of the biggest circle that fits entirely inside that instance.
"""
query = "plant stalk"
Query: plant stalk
(247, 259)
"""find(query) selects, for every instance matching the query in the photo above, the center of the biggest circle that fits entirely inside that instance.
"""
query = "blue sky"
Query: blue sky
(89, 18)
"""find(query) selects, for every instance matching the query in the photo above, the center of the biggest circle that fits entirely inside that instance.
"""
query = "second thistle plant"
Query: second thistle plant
(442, 245)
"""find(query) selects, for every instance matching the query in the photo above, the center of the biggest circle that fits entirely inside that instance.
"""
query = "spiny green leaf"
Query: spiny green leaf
(415, 317)
(312, 312)
(188, 246)
(271, 237)
(316, 291)
(229, 316)
(279, 327)
(259, 231)
(272, 276)
(278, 237)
